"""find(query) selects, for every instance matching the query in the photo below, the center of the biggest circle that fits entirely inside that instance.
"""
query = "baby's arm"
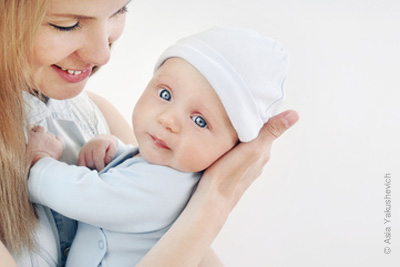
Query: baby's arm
(118, 200)
(43, 144)
(98, 152)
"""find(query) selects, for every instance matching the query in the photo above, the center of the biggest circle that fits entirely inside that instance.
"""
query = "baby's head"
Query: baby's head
(209, 91)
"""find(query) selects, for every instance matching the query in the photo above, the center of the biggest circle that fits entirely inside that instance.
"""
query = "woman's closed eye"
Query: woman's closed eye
(65, 28)
(164, 94)
(200, 121)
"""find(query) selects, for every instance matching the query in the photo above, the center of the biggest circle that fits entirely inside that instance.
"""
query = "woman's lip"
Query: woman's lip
(72, 76)
(159, 142)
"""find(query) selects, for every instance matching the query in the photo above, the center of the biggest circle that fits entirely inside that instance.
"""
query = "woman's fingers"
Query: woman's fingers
(236, 171)
(277, 125)
(273, 129)
(260, 147)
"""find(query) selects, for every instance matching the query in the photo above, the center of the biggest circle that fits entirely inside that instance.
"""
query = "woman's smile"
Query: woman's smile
(72, 76)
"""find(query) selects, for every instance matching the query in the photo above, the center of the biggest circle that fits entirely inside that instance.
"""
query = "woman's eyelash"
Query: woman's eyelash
(121, 11)
(77, 25)
(66, 29)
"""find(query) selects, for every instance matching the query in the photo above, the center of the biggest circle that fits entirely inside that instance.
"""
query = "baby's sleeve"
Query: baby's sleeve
(138, 197)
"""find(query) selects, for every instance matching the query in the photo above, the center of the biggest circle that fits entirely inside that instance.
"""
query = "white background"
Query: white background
(320, 200)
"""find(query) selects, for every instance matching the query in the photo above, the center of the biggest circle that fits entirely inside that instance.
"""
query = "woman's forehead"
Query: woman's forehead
(85, 8)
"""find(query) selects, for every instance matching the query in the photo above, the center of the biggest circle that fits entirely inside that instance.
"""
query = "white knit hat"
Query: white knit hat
(247, 71)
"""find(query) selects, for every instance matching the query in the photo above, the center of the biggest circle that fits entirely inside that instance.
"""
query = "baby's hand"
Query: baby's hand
(98, 152)
(43, 144)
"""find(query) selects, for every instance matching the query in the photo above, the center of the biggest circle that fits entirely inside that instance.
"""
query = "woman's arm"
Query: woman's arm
(5, 257)
(116, 122)
(220, 188)
(211, 260)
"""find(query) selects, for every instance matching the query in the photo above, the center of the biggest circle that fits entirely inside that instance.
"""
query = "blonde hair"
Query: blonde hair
(19, 22)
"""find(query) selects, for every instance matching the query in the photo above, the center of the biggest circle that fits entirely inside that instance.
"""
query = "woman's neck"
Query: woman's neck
(39, 95)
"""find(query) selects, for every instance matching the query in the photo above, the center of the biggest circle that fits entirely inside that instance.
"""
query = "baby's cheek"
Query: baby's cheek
(216, 151)
(201, 160)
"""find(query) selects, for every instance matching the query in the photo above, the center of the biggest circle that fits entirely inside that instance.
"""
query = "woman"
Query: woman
(59, 44)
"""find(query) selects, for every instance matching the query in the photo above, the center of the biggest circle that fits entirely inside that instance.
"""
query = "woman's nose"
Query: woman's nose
(96, 48)
(170, 121)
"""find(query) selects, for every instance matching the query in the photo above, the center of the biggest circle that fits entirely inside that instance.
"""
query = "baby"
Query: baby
(209, 91)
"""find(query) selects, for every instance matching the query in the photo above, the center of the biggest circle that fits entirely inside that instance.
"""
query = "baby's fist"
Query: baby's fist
(43, 144)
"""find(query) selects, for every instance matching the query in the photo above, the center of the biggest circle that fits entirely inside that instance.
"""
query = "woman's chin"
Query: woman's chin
(63, 92)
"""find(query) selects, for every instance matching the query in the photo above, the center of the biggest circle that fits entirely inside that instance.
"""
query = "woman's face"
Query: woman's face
(74, 37)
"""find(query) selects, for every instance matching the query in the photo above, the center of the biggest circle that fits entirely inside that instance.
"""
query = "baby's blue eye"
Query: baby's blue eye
(164, 94)
(199, 121)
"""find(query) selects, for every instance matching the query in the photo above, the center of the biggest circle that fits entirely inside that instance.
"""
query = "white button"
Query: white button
(101, 244)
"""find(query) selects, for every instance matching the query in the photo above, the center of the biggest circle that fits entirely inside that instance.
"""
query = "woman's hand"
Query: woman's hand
(232, 174)
(221, 187)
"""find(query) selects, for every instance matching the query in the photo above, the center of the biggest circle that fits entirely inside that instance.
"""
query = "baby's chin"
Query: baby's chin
(178, 167)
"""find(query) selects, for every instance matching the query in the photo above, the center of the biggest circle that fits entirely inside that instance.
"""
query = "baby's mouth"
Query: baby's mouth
(159, 143)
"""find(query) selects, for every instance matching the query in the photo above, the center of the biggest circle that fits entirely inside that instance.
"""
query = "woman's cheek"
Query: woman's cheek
(118, 28)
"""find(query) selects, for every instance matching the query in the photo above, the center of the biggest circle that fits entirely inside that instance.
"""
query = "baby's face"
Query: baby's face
(179, 121)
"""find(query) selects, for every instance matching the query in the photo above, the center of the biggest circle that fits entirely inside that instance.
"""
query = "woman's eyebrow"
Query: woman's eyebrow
(72, 16)
(75, 16)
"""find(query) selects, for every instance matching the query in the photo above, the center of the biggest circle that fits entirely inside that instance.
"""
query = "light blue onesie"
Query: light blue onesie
(122, 211)
(76, 120)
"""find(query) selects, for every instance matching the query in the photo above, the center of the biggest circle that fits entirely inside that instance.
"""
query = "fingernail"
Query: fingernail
(35, 128)
(285, 121)
(290, 118)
